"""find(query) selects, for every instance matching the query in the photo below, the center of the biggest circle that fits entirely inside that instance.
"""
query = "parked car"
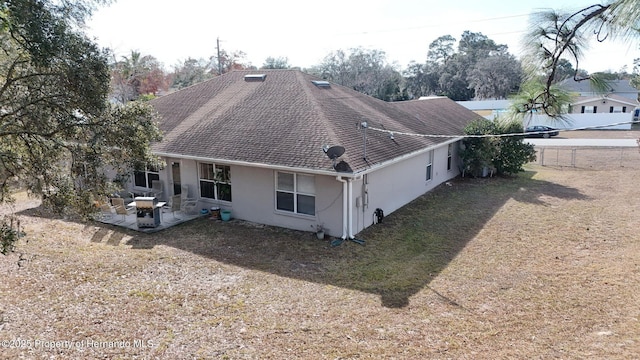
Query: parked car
(541, 131)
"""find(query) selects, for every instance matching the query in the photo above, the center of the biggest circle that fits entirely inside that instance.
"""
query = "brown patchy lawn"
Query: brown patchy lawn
(546, 265)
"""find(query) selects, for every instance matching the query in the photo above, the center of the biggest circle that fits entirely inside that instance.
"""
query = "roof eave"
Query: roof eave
(405, 157)
(254, 164)
(355, 174)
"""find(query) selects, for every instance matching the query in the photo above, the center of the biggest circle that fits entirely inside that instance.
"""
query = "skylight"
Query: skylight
(255, 77)
(321, 83)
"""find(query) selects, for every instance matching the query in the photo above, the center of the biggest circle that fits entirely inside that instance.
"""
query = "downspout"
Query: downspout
(350, 207)
(345, 221)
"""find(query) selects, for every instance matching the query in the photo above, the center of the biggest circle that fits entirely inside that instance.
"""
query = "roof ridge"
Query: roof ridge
(328, 126)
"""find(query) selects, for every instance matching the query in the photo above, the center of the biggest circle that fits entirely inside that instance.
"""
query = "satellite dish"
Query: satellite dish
(334, 152)
(343, 167)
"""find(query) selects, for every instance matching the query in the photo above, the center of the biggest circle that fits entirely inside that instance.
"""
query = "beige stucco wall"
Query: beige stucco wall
(394, 186)
(389, 188)
(253, 197)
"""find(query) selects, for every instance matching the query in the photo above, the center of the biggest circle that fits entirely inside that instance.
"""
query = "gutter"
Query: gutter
(250, 164)
(331, 172)
(403, 157)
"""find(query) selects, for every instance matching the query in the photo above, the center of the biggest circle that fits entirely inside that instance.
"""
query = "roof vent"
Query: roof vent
(255, 77)
(321, 83)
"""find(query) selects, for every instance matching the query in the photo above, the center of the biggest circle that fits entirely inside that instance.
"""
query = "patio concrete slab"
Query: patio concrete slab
(167, 220)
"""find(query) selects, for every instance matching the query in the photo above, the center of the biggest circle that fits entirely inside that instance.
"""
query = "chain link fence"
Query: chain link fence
(589, 157)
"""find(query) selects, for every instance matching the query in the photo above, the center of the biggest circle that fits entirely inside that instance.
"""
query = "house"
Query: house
(283, 148)
(595, 111)
(611, 104)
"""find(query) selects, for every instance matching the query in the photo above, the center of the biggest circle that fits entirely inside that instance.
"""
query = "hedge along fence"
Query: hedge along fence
(589, 157)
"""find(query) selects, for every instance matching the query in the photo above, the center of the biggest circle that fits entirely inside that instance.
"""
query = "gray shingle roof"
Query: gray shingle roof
(584, 86)
(286, 119)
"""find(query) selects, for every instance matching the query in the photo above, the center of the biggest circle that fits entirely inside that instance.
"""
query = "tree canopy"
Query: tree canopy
(136, 75)
(479, 68)
(276, 63)
(58, 132)
(364, 70)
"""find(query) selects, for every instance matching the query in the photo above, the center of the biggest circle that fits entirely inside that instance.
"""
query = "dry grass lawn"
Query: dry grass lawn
(546, 265)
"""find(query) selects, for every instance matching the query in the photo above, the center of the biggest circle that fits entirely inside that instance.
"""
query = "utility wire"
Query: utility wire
(393, 133)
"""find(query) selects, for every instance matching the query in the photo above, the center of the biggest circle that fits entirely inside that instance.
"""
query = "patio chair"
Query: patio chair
(121, 208)
(106, 211)
(174, 205)
(156, 189)
(124, 194)
(188, 205)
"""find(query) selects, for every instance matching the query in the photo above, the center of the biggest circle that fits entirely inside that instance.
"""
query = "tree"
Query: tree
(485, 149)
(453, 81)
(556, 36)
(495, 77)
(225, 62)
(190, 72)
(335, 67)
(635, 75)
(526, 102)
(476, 46)
(153, 79)
(363, 70)
(441, 49)
(137, 75)
(565, 71)
(478, 65)
(421, 79)
(276, 63)
(58, 132)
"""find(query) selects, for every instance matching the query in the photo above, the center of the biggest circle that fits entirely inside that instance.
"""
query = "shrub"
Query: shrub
(9, 233)
(502, 154)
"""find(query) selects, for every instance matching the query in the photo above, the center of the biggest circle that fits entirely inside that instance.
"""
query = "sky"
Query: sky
(306, 31)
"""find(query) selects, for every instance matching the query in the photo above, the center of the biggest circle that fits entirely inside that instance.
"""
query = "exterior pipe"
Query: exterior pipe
(344, 206)
(350, 207)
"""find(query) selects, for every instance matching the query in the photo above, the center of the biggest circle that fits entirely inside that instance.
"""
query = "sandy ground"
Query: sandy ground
(600, 134)
(543, 267)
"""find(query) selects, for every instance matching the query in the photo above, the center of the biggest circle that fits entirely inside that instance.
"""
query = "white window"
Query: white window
(296, 193)
(589, 109)
(143, 178)
(215, 181)
(430, 166)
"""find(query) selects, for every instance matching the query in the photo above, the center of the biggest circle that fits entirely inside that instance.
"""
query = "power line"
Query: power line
(432, 26)
(392, 133)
